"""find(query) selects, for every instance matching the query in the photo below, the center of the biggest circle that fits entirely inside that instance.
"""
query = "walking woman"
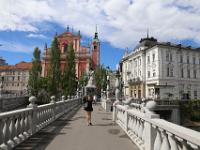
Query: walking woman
(88, 108)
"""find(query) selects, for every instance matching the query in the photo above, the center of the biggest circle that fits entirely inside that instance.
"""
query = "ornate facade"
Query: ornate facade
(86, 57)
(161, 70)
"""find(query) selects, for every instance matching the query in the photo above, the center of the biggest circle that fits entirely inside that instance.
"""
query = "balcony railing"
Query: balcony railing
(134, 80)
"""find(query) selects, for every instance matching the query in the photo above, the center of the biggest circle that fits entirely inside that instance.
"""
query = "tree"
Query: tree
(83, 80)
(34, 79)
(100, 78)
(54, 72)
(69, 76)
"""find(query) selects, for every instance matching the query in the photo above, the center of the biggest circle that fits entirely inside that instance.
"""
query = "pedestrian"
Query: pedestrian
(88, 109)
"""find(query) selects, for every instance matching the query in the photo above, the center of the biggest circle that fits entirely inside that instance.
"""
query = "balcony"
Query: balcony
(134, 81)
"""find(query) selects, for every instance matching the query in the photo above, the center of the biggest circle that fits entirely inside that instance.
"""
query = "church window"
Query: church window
(95, 47)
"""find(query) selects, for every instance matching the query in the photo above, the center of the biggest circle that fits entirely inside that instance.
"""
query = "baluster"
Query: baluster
(129, 122)
(42, 118)
(7, 130)
(26, 125)
(20, 128)
(142, 130)
(16, 138)
(173, 142)
(185, 145)
(11, 132)
(29, 125)
(165, 143)
(3, 134)
(1, 131)
(158, 140)
(137, 126)
(134, 124)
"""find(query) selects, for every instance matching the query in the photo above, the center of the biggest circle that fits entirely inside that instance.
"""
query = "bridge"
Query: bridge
(62, 125)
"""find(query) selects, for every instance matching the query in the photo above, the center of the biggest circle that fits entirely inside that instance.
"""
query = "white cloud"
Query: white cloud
(32, 35)
(121, 22)
(16, 47)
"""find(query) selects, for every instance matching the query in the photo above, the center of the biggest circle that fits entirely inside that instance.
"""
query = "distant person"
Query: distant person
(88, 108)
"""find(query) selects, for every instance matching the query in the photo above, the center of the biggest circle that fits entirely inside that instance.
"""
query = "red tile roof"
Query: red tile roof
(20, 65)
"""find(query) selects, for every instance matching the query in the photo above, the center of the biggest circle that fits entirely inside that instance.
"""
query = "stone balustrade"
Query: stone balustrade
(17, 126)
(149, 132)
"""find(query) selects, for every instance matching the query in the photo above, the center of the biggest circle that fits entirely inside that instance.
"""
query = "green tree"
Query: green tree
(69, 76)
(100, 78)
(83, 80)
(54, 72)
(35, 72)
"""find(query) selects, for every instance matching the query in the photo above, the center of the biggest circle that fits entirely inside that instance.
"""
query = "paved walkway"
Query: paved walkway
(74, 134)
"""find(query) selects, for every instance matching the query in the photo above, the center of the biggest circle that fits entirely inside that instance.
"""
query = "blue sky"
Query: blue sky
(121, 23)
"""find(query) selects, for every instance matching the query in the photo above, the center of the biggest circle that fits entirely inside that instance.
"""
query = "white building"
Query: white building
(14, 78)
(161, 70)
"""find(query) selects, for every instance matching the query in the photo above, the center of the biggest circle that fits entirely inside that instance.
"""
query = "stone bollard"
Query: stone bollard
(54, 106)
(68, 97)
(53, 99)
(63, 98)
(33, 119)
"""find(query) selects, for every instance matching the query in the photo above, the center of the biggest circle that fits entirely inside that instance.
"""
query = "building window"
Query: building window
(95, 47)
(168, 70)
(171, 57)
(195, 74)
(18, 78)
(154, 74)
(194, 60)
(181, 58)
(140, 61)
(195, 94)
(149, 74)
(153, 56)
(167, 56)
(188, 59)
(17, 84)
(182, 73)
(171, 72)
(13, 78)
(188, 73)
(148, 59)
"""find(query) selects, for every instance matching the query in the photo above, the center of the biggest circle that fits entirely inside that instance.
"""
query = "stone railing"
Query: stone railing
(149, 132)
(17, 126)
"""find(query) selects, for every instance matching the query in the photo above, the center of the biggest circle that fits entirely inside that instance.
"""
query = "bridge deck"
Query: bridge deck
(74, 134)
